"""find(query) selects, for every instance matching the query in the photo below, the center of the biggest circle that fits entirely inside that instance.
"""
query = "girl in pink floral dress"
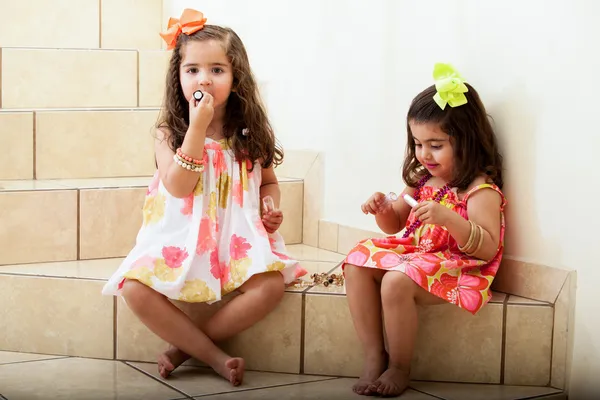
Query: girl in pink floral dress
(452, 242)
(204, 231)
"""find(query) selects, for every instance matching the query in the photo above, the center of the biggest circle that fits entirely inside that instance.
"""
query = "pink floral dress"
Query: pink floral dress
(431, 258)
(199, 248)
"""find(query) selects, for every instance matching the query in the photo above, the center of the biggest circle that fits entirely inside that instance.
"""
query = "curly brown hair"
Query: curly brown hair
(471, 134)
(244, 110)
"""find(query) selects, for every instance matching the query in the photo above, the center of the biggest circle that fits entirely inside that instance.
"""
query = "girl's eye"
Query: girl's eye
(418, 145)
(437, 147)
(217, 70)
(193, 70)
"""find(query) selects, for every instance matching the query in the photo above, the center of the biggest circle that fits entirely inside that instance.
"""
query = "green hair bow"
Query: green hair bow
(450, 86)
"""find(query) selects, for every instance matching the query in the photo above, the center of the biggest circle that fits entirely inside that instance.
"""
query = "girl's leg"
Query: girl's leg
(173, 326)
(400, 296)
(260, 295)
(364, 301)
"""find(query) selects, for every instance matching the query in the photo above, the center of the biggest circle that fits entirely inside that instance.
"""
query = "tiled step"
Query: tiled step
(42, 377)
(311, 332)
(63, 220)
(112, 24)
(84, 78)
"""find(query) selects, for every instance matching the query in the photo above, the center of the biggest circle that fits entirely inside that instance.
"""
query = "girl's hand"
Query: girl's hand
(376, 204)
(202, 113)
(272, 220)
(430, 212)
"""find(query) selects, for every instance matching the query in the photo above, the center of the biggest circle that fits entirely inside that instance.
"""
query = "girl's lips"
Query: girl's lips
(431, 165)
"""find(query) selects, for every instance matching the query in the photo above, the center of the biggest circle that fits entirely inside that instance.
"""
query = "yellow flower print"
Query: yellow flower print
(199, 189)
(276, 266)
(212, 207)
(239, 268)
(165, 273)
(142, 274)
(196, 291)
(154, 208)
(244, 176)
(224, 185)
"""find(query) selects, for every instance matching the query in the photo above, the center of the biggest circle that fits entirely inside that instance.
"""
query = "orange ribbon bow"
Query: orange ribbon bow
(191, 21)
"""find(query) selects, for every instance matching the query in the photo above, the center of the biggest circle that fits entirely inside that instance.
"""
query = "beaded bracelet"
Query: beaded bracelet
(187, 158)
(189, 166)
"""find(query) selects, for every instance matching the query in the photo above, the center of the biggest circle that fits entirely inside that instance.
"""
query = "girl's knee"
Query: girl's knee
(135, 293)
(269, 284)
(397, 286)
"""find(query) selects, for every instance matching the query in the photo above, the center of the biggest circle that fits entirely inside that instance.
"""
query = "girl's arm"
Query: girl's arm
(178, 181)
(483, 208)
(270, 186)
(393, 221)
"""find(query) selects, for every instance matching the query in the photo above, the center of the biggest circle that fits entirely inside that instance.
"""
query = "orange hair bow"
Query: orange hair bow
(191, 21)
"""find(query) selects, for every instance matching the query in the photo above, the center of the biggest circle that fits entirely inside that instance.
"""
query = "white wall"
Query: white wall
(339, 75)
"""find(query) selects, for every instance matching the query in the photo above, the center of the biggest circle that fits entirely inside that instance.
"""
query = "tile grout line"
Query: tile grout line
(266, 387)
(1, 78)
(115, 328)
(51, 358)
(187, 396)
(34, 122)
(503, 346)
(425, 393)
(78, 224)
(99, 24)
(302, 331)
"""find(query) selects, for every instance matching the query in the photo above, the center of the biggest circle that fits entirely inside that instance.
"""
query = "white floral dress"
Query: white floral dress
(199, 248)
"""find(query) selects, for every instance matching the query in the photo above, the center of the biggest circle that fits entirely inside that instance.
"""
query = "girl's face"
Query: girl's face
(433, 149)
(206, 67)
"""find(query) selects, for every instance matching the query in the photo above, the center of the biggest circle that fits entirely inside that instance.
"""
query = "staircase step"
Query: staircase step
(72, 219)
(311, 332)
(56, 23)
(69, 78)
(16, 134)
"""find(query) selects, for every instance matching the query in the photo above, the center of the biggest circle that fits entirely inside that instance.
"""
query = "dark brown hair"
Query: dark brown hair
(244, 109)
(471, 134)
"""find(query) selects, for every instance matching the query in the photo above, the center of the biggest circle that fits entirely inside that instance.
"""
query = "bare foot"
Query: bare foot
(169, 360)
(374, 367)
(393, 382)
(232, 370)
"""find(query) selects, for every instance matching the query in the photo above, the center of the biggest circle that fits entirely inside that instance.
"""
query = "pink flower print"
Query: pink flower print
(464, 291)
(386, 259)
(206, 241)
(174, 256)
(188, 205)
(386, 243)
(144, 261)
(217, 269)
(416, 274)
(153, 187)
(273, 243)
(238, 247)
(491, 269)
(281, 256)
(300, 271)
(358, 256)
(238, 193)
(260, 227)
(425, 246)
(219, 163)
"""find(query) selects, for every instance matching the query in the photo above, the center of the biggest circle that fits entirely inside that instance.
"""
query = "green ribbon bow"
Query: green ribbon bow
(450, 86)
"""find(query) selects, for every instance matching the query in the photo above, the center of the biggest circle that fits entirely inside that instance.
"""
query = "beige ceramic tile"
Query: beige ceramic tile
(85, 269)
(109, 221)
(296, 163)
(273, 344)
(563, 316)
(498, 297)
(291, 206)
(16, 134)
(528, 345)
(532, 281)
(153, 71)
(455, 346)
(9, 357)
(524, 301)
(76, 378)
(70, 78)
(59, 23)
(308, 253)
(38, 226)
(105, 183)
(30, 185)
(311, 267)
(332, 389)
(72, 144)
(328, 235)
(56, 316)
(329, 336)
(131, 24)
(196, 381)
(313, 202)
(458, 391)
(348, 237)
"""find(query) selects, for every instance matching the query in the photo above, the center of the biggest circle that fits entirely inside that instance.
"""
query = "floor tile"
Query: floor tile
(525, 301)
(307, 253)
(83, 269)
(77, 378)
(463, 391)
(9, 357)
(103, 183)
(196, 381)
(336, 389)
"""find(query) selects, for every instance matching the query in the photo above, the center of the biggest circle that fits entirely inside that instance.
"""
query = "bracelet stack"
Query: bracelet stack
(475, 241)
(187, 162)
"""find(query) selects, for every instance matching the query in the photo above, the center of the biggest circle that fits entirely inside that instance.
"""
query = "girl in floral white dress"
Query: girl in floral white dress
(204, 232)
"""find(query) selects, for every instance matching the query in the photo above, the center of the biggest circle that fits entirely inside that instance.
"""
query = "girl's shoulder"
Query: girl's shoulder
(492, 192)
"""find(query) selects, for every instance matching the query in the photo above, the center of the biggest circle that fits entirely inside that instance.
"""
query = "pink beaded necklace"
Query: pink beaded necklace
(439, 195)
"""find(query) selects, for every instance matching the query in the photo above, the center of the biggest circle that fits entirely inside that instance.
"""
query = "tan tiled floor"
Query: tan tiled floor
(31, 376)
